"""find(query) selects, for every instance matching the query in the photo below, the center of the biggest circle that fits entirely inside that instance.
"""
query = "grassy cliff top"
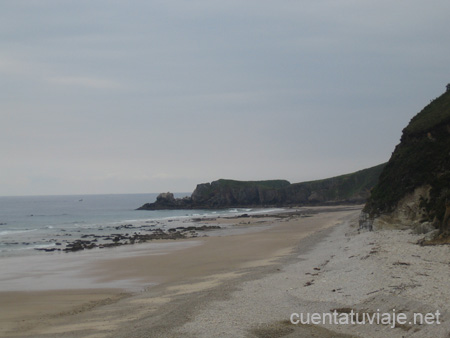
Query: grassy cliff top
(345, 186)
(269, 184)
(348, 184)
(335, 188)
(364, 176)
(437, 112)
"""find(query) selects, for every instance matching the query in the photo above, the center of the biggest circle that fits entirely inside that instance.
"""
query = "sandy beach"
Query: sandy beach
(242, 283)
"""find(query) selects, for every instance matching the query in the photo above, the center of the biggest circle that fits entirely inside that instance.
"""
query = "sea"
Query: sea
(31, 223)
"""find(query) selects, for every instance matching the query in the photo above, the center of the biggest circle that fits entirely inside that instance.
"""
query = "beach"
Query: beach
(243, 282)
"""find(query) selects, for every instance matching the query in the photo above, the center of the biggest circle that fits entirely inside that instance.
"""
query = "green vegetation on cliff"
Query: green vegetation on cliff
(421, 159)
(436, 113)
(350, 188)
(270, 184)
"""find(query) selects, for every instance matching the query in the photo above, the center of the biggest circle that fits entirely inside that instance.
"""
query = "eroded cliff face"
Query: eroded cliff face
(224, 194)
(414, 187)
(351, 188)
(219, 194)
(408, 213)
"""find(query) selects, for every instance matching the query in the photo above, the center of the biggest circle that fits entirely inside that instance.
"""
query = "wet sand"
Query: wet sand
(143, 291)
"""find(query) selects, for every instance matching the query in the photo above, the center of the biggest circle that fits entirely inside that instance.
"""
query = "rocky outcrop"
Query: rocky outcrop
(409, 213)
(229, 193)
(415, 184)
(223, 194)
(167, 201)
(445, 224)
(351, 188)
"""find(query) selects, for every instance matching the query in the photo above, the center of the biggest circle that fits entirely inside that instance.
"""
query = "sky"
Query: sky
(140, 96)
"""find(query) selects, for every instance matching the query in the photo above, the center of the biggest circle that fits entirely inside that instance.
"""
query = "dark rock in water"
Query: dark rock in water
(119, 239)
(202, 228)
(79, 245)
(115, 240)
(47, 249)
(124, 226)
(208, 227)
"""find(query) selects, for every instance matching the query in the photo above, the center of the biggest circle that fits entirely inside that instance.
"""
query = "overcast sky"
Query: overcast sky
(103, 96)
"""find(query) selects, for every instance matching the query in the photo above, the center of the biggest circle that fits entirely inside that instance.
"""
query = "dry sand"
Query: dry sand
(64, 292)
(366, 272)
(240, 284)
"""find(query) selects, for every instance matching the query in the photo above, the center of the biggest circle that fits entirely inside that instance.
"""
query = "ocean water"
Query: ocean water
(38, 222)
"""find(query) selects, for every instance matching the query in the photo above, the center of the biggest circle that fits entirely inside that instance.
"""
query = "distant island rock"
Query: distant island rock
(414, 187)
(350, 188)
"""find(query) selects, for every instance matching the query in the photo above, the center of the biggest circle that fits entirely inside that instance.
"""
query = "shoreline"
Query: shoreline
(32, 241)
(217, 259)
(343, 270)
(248, 283)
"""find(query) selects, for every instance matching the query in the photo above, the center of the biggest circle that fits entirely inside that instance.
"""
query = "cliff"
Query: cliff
(414, 187)
(350, 188)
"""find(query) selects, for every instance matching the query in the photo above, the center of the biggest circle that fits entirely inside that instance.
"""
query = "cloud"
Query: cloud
(155, 95)
(16, 66)
(88, 82)
(10, 66)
